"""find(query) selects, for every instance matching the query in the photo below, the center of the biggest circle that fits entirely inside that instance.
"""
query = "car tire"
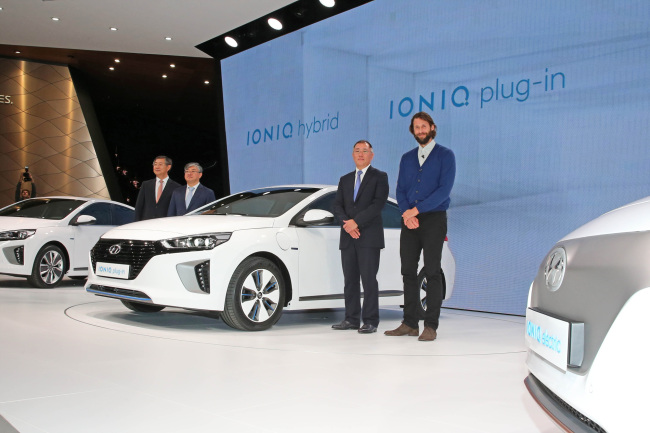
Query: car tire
(255, 296)
(142, 308)
(49, 268)
(422, 284)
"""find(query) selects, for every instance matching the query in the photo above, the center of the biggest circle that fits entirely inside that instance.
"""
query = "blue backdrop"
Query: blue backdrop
(545, 104)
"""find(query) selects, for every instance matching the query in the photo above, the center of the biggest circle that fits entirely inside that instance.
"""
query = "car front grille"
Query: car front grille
(117, 292)
(559, 409)
(134, 253)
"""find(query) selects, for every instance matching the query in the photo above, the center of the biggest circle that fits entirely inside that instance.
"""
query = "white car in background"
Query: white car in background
(248, 256)
(46, 238)
(586, 325)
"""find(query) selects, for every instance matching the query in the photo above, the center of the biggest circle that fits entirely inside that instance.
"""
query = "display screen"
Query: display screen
(546, 106)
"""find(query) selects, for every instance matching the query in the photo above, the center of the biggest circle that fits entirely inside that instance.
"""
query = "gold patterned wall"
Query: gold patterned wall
(42, 126)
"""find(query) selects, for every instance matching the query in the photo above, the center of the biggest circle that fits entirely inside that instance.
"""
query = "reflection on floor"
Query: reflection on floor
(75, 363)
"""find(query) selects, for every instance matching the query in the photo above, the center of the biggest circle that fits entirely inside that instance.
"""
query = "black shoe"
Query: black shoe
(367, 329)
(344, 325)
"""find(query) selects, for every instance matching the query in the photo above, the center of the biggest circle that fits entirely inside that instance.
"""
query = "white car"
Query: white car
(586, 324)
(45, 238)
(248, 256)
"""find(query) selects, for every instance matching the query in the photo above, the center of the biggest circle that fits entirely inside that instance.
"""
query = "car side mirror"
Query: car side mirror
(316, 217)
(84, 220)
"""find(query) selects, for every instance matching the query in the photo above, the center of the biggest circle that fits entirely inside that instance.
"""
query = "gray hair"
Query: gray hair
(193, 164)
(168, 160)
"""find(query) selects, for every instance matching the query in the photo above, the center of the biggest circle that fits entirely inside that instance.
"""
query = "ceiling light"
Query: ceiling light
(171, 65)
(55, 19)
(168, 38)
(231, 41)
(206, 82)
(113, 29)
(327, 3)
(17, 52)
(164, 76)
(0, 8)
(275, 24)
(111, 68)
(117, 60)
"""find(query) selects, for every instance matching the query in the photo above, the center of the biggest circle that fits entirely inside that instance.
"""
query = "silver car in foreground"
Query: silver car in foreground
(586, 325)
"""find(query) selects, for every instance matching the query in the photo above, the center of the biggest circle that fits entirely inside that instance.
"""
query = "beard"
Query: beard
(427, 138)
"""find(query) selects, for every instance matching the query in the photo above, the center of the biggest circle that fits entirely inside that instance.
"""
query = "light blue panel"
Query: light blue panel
(545, 104)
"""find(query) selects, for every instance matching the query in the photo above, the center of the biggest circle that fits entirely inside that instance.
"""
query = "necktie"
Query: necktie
(357, 183)
(160, 187)
(188, 196)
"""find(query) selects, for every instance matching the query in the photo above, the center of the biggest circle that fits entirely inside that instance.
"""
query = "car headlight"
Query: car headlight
(195, 243)
(16, 235)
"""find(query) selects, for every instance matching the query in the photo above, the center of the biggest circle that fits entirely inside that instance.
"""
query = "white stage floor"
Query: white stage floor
(75, 363)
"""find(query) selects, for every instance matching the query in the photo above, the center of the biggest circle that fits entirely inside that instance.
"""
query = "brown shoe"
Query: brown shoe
(402, 329)
(428, 334)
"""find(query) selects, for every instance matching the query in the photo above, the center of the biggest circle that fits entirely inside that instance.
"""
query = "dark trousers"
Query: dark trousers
(361, 264)
(428, 238)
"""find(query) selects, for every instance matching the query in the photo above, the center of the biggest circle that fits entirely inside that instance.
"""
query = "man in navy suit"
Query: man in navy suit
(155, 194)
(192, 196)
(360, 198)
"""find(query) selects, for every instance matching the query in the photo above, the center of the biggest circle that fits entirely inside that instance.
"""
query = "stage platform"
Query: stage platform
(76, 363)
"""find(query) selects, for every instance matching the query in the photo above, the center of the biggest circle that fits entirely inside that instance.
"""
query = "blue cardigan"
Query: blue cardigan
(427, 187)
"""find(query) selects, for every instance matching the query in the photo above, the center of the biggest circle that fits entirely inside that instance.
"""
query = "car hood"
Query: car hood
(19, 223)
(164, 228)
(633, 217)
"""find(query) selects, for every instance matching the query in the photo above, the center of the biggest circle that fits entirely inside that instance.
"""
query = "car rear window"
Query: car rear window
(43, 208)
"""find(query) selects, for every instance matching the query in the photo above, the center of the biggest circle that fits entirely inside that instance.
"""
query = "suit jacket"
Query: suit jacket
(365, 210)
(202, 196)
(146, 206)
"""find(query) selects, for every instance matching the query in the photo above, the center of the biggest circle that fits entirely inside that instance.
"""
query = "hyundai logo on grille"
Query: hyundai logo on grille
(115, 249)
(554, 269)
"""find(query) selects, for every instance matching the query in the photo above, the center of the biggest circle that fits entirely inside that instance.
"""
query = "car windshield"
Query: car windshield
(264, 202)
(43, 208)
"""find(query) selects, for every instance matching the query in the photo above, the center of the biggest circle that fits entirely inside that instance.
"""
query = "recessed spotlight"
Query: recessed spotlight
(111, 68)
(0, 8)
(17, 52)
(168, 38)
(55, 19)
(206, 82)
(231, 41)
(117, 60)
(327, 3)
(275, 24)
(164, 75)
(171, 65)
(113, 29)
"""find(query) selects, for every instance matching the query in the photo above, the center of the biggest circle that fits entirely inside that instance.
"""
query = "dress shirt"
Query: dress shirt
(157, 185)
(356, 170)
(424, 151)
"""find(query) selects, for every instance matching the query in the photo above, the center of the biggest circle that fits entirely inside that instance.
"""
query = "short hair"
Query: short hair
(363, 141)
(167, 159)
(427, 118)
(193, 164)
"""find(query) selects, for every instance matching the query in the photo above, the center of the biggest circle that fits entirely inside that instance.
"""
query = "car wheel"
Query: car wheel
(255, 296)
(49, 267)
(142, 308)
(422, 284)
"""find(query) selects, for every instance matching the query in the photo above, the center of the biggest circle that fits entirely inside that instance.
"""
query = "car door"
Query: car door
(87, 235)
(390, 273)
(320, 273)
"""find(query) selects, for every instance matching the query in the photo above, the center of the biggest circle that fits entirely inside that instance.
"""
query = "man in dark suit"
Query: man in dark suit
(360, 198)
(192, 196)
(155, 194)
